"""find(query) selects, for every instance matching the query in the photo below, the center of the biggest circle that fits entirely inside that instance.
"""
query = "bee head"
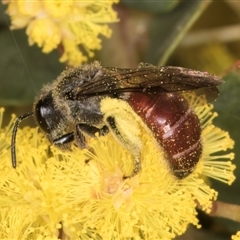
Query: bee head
(44, 112)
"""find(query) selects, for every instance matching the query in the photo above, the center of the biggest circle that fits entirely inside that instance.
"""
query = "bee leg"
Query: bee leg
(89, 130)
(66, 138)
(129, 141)
(85, 129)
(92, 130)
(80, 138)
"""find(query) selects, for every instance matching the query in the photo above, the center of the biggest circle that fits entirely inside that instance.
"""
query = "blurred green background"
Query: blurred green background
(203, 35)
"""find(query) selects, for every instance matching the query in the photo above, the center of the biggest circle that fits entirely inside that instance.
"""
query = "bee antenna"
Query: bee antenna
(14, 134)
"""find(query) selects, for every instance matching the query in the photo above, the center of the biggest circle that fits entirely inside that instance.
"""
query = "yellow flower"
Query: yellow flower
(237, 236)
(82, 194)
(73, 24)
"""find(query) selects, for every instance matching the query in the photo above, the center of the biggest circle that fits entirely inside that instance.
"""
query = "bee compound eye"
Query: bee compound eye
(43, 112)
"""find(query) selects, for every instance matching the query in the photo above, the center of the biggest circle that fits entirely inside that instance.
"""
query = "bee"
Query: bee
(69, 110)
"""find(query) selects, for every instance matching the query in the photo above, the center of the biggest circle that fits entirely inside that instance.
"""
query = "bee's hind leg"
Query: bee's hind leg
(129, 141)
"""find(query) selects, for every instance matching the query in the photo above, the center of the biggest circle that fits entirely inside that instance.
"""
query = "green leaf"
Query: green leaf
(167, 30)
(157, 6)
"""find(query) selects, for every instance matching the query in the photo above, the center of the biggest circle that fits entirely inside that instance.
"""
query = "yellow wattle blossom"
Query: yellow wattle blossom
(82, 194)
(76, 25)
(237, 236)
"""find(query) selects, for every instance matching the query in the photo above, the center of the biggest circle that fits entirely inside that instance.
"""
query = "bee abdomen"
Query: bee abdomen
(175, 127)
(182, 144)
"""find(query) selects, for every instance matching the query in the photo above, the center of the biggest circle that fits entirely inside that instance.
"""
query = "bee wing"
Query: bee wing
(148, 78)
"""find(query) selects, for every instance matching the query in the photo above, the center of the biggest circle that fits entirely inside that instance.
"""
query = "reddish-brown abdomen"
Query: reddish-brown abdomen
(174, 125)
